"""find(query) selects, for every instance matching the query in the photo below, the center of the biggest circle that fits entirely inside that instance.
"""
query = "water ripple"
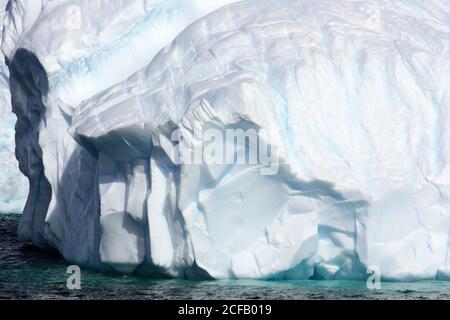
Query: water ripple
(28, 273)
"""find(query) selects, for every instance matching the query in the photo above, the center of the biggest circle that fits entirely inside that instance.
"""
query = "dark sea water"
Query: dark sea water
(27, 273)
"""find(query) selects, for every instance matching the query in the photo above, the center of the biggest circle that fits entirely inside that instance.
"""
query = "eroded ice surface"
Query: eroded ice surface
(354, 96)
(13, 185)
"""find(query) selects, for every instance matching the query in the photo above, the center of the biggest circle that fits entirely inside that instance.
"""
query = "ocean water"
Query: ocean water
(28, 273)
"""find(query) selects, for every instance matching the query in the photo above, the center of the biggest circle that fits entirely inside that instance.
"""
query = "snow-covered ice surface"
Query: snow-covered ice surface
(354, 95)
(13, 185)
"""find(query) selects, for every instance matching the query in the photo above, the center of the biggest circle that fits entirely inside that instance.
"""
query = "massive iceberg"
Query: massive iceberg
(13, 185)
(350, 97)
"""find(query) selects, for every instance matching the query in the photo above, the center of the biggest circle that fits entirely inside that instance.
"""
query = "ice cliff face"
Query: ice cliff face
(13, 185)
(60, 53)
(353, 96)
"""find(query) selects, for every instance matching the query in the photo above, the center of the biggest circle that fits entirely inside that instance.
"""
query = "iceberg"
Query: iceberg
(13, 185)
(350, 97)
(60, 53)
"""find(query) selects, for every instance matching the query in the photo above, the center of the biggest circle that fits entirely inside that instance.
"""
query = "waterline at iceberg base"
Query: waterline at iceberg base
(27, 273)
(353, 94)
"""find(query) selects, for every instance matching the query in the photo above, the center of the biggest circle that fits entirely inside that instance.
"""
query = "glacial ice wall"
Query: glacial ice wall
(13, 185)
(60, 53)
(354, 97)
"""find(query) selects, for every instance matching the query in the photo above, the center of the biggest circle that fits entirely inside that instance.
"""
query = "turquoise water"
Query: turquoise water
(27, 273)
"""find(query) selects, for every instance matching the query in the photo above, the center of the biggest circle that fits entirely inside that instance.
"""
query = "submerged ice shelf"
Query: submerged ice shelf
(353, 95)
